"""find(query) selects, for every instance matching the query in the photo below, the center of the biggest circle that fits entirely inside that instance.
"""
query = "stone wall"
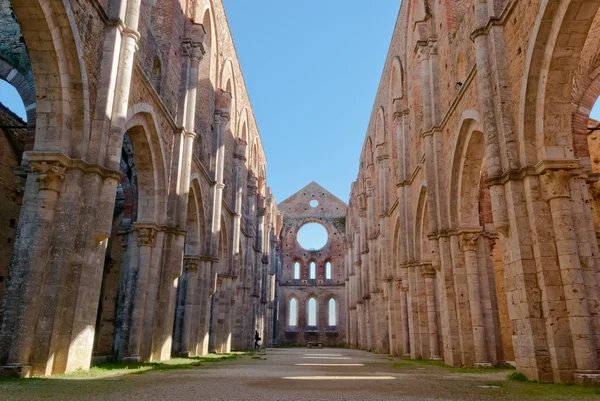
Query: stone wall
(331, 213)
(460, 217)
(147, 224)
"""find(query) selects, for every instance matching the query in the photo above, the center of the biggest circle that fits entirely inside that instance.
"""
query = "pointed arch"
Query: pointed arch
(466, 169)
(558, 38)
(150, 163)
(61, 85)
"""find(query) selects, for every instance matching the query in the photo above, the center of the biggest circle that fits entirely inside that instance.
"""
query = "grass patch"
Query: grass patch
(104, 378)
(517, 376)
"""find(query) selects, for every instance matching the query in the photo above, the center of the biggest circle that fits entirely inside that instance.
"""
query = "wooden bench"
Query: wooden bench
(311, 344)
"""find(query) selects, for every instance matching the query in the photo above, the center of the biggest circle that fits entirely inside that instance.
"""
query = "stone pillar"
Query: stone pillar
(22, 302)
(146, 236)
(429, 274)
(239, 163)
(404, 315)
(191, 266)
(468, 244)
(555, 184)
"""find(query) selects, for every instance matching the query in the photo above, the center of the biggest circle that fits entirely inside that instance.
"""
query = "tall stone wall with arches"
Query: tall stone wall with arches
(146, 226)
(472, 226)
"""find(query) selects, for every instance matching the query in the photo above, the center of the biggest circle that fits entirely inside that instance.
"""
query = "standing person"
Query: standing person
(256, 339)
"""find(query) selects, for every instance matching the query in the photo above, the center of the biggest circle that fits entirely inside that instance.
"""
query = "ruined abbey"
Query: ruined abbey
(137, 223)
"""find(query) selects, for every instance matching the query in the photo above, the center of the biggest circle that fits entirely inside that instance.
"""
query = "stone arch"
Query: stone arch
(208, 72)
(62, 103)
(227, 82)
(396, 82)
(380, 131)
(151, 166)
(421, 229)
(196, 221)
(466, 170)
(555, 48)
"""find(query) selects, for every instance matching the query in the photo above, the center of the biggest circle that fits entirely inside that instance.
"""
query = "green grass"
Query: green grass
(103, 378)
(515, 387)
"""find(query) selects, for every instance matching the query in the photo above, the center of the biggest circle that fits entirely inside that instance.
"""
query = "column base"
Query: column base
(184, 354)
(587, 378)
(436, 358)
(20, 371)
(132, 359)
(483, 365)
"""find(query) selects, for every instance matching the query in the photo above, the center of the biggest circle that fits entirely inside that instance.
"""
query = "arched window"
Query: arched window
(313, 270)
(328, 271)
(293, 313)
(332, 313)
(312, 312)
(297, 271)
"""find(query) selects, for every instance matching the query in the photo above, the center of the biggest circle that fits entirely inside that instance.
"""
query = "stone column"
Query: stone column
(239, 160)
(146, 236)
(555, 184)
(428, 273)
(191, 266)
(22, 302)
(404, 316)
(468, 242)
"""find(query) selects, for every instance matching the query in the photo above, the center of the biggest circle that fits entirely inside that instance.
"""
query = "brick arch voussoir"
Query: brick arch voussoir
(57, 64)
(552, 60)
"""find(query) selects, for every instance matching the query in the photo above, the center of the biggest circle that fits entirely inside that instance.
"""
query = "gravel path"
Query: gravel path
(293, 374)
(309, 374)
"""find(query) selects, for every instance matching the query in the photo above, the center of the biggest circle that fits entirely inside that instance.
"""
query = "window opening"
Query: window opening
(328, 271)
(312, 312)
(332, 313)
(297, 271)
(313, 270)
(293, 321)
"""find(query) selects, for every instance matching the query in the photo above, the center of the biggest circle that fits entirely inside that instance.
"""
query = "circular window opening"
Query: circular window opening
(314, 203)
(312, 236)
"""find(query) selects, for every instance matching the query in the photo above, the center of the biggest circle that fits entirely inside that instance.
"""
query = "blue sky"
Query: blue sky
(312, 69)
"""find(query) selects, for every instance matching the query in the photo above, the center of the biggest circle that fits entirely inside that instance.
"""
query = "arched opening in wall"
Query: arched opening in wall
(312, 236)
(332, 313)
(311, 311)
(296, 270)
(140, 205)
(312, 271)
(471, 215)
(293, 313)
(17, 132)
(186, 323)
(13, 138)
(207, 71)
(328, 271)
(112, 292)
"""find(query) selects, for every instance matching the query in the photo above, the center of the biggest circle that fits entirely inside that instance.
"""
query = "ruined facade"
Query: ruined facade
(472, 228)
(143, 225)
(312, 281)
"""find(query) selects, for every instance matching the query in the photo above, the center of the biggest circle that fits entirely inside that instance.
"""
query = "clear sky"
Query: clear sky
(312, 69)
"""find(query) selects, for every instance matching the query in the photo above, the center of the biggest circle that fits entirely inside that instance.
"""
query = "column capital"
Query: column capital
(191, 262)
(468, 241)
(146, 235)
(51, 174)
(427, 271)
(555, 183)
